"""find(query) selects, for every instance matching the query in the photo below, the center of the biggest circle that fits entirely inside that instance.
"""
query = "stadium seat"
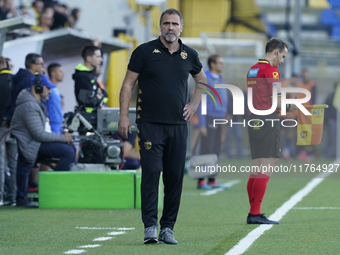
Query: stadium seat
(318, 4)
(334, 3)
(330, 18)
(336, 32)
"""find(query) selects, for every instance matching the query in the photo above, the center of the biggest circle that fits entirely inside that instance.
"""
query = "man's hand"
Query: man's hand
(189, 110)
(68, 137)
(203, 131)
(124, 125)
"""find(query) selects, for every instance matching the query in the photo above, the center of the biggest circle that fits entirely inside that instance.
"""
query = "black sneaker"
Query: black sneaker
(10, 203)
(259, 219)
(150, 235)
(167, 236)
(25, 203)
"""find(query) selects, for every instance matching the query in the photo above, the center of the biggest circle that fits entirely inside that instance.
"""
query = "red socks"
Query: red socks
(250, 185)
(256, 188)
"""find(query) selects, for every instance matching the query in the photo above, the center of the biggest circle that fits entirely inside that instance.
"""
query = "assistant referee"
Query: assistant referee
(264, 139)
(162, 67)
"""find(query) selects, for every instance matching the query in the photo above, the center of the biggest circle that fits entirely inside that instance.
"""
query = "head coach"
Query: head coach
(162, 67)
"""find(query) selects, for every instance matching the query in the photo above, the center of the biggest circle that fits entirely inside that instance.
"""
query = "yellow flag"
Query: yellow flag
(336, 99)
(310, 127)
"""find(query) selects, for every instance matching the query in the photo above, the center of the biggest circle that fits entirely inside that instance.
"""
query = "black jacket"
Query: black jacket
(5, 88)
(86, 86)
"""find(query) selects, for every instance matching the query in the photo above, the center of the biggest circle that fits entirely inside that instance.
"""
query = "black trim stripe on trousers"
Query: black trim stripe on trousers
(162, 148)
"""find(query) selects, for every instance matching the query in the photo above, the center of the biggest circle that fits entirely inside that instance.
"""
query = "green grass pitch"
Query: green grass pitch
(206, 224)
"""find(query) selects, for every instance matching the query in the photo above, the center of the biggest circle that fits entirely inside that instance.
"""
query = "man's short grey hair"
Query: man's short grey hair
(170, 12)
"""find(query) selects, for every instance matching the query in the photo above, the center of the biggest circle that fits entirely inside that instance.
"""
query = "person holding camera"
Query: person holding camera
(90, 97)
(30, 126)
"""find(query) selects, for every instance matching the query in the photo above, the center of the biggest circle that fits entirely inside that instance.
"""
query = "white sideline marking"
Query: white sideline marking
(249, 239)
(317, 208)
(98, 238)
(116, 233)
(94, 228)
(102, 238)
(90, 246)
(215, 191)
(75, 251)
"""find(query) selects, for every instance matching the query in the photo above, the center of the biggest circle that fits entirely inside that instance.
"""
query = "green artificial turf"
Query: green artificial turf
(206, 224)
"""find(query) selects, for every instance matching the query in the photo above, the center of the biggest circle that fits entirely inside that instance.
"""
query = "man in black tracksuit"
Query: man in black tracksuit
(5, 101)
(162, 67)
(89, 96)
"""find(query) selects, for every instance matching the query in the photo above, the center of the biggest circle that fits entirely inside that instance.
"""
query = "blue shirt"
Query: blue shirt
(55, 112)
(214, 110)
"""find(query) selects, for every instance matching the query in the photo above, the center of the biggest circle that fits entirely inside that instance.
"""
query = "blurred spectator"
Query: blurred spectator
(38, 8)
(210, 135)
(34, 63)
(5, 100)
(35, 140)
(330, 121)
(45, 21)
(73, 18)
(60, 16)
(306, 154)
(64, 9)
(9, 64)
(54, 108)
(8, 10)
(24, 11)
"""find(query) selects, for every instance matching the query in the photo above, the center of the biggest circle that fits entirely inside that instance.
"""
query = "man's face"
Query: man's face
(280, 57)
(39, 6)
(171, 27)
(46, 92)
(59, 74)
(218, 66)
(46, 20)
(39, 65)
(96, 59)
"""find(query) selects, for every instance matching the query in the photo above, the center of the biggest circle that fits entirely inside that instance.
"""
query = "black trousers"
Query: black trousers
(162, 148)
(211, 143)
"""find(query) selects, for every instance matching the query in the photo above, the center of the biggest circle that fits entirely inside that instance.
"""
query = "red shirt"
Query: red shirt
(262, 77)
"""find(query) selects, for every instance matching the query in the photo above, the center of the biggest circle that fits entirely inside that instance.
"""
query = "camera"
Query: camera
(96, 130)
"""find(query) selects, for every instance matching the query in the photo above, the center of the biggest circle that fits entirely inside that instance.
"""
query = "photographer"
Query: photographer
(88, 93)
(90, 96)
(31, 128)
